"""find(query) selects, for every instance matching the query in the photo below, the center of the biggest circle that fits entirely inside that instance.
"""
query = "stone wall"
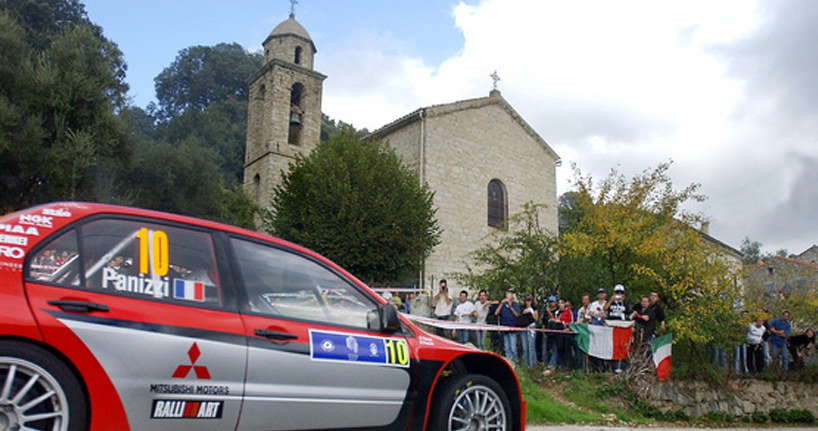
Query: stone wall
(737, 398)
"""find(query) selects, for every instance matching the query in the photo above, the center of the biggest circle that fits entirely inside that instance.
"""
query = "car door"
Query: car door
(139, 306)
(312, 362)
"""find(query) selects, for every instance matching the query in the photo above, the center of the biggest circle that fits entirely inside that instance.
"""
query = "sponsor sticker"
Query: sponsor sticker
(426, 341)
(11, 252)
(175, 389)
(37, 220)
(13, 240)
(361, 349)
(58, 212)
(156, 287)
(11, 266)
(186, 409)
(200, 371)
(25, 230)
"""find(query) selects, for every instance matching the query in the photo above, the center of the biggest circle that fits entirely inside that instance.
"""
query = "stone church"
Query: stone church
(482, 160)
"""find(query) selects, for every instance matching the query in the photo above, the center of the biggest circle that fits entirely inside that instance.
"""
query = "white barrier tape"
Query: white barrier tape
(400, 289)
(448, 324)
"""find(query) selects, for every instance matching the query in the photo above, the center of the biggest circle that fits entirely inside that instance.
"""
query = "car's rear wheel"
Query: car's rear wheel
(38, 391)
(470, 402)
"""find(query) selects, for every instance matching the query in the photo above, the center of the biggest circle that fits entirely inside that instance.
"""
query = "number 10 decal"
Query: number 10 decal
(153, 247)
(396, 352)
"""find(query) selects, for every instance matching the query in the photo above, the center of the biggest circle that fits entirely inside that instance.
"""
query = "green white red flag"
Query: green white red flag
(603, 342)
(661, 347)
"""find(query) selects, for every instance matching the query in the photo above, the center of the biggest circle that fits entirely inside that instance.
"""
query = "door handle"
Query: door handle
(78, 306)
(275, 335)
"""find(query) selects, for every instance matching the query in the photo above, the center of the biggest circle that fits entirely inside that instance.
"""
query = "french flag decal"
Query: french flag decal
(189, 290)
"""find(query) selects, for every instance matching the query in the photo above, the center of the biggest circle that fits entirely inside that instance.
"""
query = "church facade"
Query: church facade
(482, 160)
(484, 163)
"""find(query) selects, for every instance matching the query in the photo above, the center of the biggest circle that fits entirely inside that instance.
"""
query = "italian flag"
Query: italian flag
(661, 355)
(603, 342)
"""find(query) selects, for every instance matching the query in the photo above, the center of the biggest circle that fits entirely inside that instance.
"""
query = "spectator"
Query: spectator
(755, 351)
(740, 353)
(529, 336)
(551, 322)
(566, 344)
(407, 304)
(645, 316)
(465, 313)
(597, 308)
(442, 304)
(584, 314)
(797, 344)
(616, 308)
(779, 331)
(482, 306)
(508, 310)
(657, 310)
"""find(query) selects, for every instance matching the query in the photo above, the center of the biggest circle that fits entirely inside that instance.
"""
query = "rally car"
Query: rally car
(116, 318)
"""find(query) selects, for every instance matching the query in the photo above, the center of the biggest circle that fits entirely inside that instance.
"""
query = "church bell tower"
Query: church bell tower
(284, 111)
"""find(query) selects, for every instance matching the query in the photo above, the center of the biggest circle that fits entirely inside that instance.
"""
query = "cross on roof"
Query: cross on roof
(495, 77)
(292, 7)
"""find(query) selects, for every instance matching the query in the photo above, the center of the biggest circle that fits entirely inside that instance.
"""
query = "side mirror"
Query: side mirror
(384, 319)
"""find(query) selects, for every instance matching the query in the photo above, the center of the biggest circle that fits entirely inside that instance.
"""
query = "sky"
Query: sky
(726, 90)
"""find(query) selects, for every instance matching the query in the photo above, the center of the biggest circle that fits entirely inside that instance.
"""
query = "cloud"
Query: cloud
(725, 89)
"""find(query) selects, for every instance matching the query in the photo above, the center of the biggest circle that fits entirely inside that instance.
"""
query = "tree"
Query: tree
(639, 232)
(203, 75)
(356, 204)
(523, 259)
(59, 132)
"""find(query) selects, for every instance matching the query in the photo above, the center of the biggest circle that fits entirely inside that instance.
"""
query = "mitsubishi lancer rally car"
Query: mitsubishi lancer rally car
(115, 318)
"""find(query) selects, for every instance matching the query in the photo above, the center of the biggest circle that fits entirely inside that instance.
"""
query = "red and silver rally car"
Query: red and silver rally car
(115, 318)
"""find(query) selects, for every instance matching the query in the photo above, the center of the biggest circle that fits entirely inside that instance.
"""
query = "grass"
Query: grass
(542, 408)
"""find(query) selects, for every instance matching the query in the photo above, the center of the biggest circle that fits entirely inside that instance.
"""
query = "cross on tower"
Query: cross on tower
(292, 7)
(495, 77)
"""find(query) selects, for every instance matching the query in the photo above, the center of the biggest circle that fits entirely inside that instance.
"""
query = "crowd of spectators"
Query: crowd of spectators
(544, 335)
(768, 344)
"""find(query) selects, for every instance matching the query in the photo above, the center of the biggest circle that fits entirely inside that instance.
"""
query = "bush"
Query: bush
(759, 417)
(791, 416)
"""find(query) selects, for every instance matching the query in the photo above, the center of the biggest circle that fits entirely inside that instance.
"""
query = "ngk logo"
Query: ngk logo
(12, 252)
(37, 220)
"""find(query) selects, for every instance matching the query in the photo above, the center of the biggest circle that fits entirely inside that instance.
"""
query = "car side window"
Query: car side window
(57, 262)
(283, 284)
(150, 261)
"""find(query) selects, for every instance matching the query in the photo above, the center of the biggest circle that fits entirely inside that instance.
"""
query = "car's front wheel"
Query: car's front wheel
(38, 391)
(470, 402)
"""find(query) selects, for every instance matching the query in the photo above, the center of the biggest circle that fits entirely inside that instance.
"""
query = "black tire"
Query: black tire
(453, 407)
(64, 410)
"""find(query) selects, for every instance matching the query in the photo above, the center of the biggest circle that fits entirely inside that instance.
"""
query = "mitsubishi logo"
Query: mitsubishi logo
(183, 370)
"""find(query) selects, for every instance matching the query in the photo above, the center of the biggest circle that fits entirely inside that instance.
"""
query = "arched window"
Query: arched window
(296, 113)
(257, 187)
(297, 55)
(497, 207)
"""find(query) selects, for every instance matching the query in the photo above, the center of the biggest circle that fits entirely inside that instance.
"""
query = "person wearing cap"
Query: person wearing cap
(617, 308)
(597, 308)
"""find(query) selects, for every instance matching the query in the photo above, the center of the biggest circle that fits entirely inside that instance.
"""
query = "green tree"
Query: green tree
(640, 233)
(522, 259)
(59, 132)
(356, 204)
(203, 75)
